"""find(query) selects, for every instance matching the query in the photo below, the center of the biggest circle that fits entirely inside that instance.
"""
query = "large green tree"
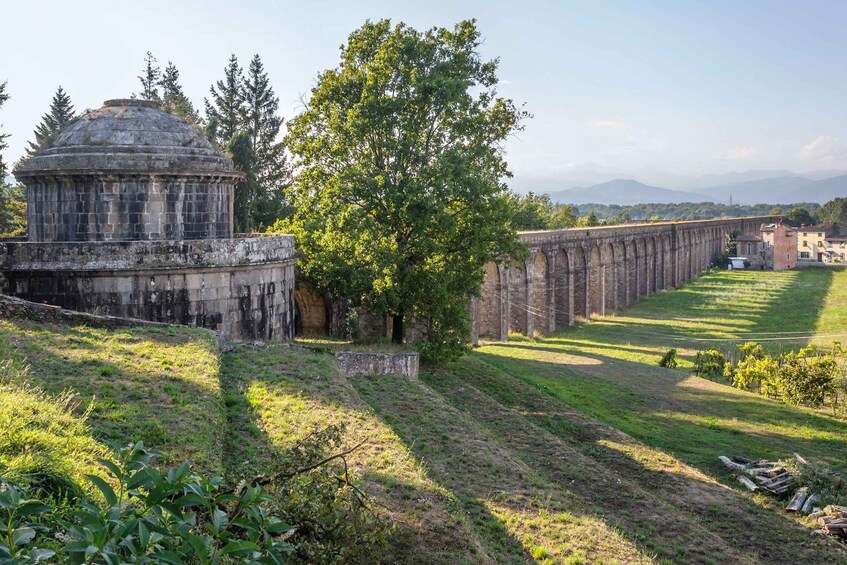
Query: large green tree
(400, 199)
(61, 114)
(174, 99)
(225, 110)
(262, 122)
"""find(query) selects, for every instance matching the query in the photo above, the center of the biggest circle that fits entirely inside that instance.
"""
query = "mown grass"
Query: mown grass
(574, 448)
(156, 386)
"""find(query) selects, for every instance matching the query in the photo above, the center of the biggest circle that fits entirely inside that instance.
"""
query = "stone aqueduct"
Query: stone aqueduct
(579, 272)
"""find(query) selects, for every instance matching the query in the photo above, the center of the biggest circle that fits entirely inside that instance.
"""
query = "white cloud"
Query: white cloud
(824, 149)
(610, 124)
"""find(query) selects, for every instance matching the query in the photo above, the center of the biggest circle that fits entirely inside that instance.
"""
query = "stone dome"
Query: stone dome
(128, 136)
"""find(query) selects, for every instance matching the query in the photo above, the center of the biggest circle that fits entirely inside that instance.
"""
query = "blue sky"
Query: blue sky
(625, 88)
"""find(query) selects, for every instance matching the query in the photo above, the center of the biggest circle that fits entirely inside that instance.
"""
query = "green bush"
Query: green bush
(668, 360)
(709, 364)
(177, 516)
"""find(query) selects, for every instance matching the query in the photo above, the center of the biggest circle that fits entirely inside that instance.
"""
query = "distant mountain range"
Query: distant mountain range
(784, 187)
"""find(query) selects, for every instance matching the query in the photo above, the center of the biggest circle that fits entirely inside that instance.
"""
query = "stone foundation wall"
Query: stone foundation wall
(17, 308)
(241, 288)
(357, 363)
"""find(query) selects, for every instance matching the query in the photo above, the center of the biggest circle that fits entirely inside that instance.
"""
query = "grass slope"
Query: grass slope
(573, 449)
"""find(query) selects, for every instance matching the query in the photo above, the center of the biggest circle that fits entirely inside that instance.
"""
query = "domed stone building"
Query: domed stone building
(130, 213)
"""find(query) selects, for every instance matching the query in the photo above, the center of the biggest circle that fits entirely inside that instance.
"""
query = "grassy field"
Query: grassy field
(575, 448)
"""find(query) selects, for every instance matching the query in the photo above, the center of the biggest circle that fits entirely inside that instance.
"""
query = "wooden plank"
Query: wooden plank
(797, 500)
(807, 506)
(747, 483)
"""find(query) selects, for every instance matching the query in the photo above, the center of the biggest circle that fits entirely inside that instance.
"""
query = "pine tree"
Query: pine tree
(174, 99)
(150, 79)
(270, 163)
(61, 114)
(224, 112)
(3, 136)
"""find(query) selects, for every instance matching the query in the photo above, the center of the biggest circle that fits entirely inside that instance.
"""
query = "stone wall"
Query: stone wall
(16, 308)
(358, 363)
(581, 272)
(243, 288)
(128, 207)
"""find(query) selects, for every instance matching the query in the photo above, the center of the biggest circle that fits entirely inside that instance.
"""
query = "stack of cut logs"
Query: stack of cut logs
(775, 479)
(832, 520)
(768, 475)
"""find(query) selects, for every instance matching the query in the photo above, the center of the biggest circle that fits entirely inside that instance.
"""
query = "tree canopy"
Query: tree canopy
(834, 211)
(61, 114)
(400, 199)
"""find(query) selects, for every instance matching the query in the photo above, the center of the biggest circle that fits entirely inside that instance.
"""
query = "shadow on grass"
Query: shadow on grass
(671, 511)
(275, 396)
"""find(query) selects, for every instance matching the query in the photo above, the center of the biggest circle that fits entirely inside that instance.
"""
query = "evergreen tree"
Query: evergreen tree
(3, 136)
(262, 124)
(240, 147)
(61, 114)
(226, 110)
(174, 99)
(150, 79)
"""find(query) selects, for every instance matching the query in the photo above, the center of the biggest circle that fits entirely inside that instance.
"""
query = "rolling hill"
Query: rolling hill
(625, 192)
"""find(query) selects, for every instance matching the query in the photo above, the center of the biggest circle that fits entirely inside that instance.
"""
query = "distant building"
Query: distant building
(751, 248)
(780, 246)
(822, 243)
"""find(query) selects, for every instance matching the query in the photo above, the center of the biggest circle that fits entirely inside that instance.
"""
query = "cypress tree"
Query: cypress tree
(61, 114)
(4, 96)
(150, 79)
(262, 124)
(174, 99)
(226, 109)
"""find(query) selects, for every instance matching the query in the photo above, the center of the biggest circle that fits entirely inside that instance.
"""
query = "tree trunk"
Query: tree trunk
(397, 329)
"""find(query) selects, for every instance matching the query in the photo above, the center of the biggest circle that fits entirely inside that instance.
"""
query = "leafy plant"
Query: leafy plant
(668, 360)
(176, 516)
(709, 363)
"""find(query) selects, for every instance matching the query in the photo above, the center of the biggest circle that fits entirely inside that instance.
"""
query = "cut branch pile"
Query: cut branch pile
(774, 478)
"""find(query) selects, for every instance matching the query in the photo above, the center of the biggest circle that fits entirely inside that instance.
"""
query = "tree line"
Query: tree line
(241, 118)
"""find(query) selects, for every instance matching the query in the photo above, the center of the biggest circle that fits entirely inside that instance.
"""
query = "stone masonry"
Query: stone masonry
(130, 213)
(580, 272)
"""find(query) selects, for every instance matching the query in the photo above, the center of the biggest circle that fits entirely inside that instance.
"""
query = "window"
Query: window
(804, 255)
(805, 243)
(788, 256)
(805, 234)
(749, 248)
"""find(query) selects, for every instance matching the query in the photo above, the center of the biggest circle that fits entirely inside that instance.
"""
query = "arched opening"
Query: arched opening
(517, 297)
(641, 253)
(580, 283)
(596, 282)
(631, 273)
(563, 286)
(539, 303)
(620, 275)
(610, 285)
(491, 304)
(310, 312)
(660, 263)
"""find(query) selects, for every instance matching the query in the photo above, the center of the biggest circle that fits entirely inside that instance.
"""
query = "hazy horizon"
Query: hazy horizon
(653, 91)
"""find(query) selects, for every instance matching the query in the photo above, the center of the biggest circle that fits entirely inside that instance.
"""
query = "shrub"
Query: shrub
(709, 364)
(178, 516)
(668, 360)
(805, 380)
